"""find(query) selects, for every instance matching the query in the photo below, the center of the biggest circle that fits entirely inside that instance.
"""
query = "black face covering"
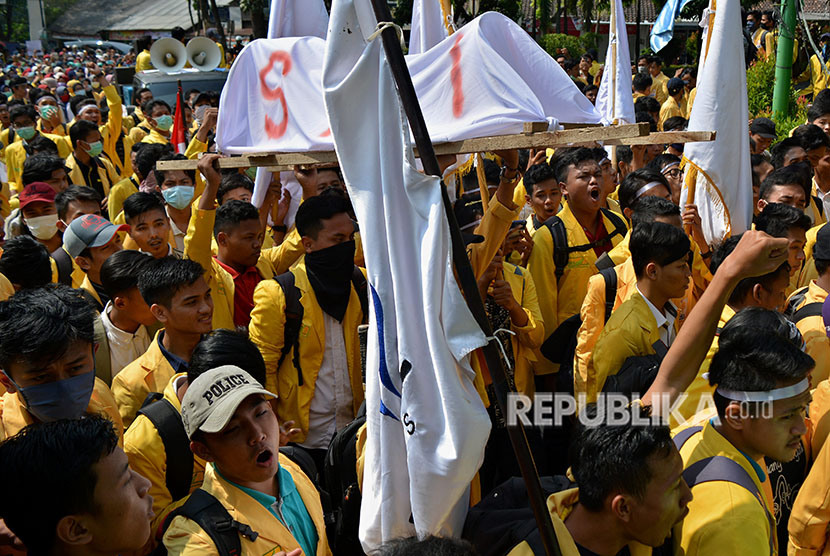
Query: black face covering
(330, 274)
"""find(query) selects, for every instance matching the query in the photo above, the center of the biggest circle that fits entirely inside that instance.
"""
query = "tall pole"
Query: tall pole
(784, 59)
(467, 279)
(637, 34)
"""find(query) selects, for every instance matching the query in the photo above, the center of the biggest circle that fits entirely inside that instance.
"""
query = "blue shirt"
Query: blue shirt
(290, 509)
(179, 365)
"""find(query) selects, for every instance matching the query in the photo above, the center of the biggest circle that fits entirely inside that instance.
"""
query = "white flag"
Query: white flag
(615, 102)
(429, 25)
(426, 425)
(297, 18)
(720, 170)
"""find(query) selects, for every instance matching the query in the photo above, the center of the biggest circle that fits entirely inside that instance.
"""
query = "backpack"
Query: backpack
(294, 314)
(809, 310)
(342, 485)
(561, 249)
(64, 263)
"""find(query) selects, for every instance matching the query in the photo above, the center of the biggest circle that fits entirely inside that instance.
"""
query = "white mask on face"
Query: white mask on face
(43, 227)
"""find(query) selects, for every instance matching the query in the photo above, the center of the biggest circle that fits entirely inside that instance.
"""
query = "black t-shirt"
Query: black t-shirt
(786, 479)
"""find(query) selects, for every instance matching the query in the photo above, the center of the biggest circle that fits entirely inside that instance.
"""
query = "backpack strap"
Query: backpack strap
(610, 277)
(361, 287)
(619, 224)
(809, 310)
(214, 519)
(64, 263)
(293, 322)
(795, 300)
(168, 423)
(684, 435)
(103, 363)
(604, 261)
(819, 204)
(560, 245)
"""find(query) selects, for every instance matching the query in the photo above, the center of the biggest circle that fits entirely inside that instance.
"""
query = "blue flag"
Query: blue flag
(663, 29)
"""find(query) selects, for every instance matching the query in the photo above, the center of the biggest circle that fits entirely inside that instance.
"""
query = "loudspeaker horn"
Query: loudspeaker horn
(168, 55)
(203, 54)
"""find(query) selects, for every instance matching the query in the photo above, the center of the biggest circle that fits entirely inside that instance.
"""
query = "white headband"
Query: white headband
(646, 187)
(771, 395)
(87, 107)
(669, 166)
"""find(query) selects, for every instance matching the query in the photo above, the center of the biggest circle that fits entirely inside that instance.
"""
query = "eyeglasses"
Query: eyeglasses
(674, 173)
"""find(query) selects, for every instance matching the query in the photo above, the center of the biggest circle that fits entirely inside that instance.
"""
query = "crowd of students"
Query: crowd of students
(181, 369)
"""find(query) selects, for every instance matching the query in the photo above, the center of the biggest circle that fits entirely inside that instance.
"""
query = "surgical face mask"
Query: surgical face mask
(26, 133)
(43, 227)
(750, 26)
(63, 399)
(178, 197)
(164, 122)
(96, 85)
(642, 69)
(199, 113)
(47, 111)
(95, 148)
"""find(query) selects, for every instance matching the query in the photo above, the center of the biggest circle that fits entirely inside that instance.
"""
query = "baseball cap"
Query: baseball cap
(212, 399)
(763, 127)
(36, 191)
(675, 85)
(821, 250)
(89, 230)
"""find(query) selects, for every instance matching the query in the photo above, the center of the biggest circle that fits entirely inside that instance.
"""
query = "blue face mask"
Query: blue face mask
(64, 399)
(178, 197)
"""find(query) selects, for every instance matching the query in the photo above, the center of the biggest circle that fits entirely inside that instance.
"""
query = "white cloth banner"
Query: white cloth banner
(426, 425)
(721, 169)
(428, 26)
(297, 18)
(487, 79)
(615, 102)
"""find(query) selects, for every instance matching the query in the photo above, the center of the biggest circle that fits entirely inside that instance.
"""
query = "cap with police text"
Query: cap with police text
(763, 127)
(212, 399)
(36, 191)
(89, 230)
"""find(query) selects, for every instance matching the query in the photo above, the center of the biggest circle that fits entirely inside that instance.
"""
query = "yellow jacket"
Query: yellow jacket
(197, 242)
(724, 518)
(559, 301)
(185, 538)
(820, 415)
(808, 269)
(621, 251)
(145, 452)
(120, 192)
(142, 61)
(631, 331)
(149, 373)
(14, 416)
(815, 207)
(6, 288)
(810, 516)
(593, 317)
(139, 132)
(106, 173)
(493, 225)
(669, 109)
(528, 338)
(90, 289)
(659, 87)
(267, 332)
(111, 131)
(16, 155)
(814, 334)
(817, 78)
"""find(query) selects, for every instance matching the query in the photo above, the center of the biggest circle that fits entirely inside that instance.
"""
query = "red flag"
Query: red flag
(179, 126)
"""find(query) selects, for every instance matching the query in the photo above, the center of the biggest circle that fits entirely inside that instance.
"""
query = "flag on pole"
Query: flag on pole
(297, 18)
(177, 137)
(718, 177)
(431, 23)
(615, 102)
(426, 425)
(663, 29)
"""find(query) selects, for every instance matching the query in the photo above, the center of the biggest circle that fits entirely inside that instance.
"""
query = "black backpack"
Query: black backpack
(561, 249)
(809, 310)
(341, 483)
(64, 263)
(294, 314)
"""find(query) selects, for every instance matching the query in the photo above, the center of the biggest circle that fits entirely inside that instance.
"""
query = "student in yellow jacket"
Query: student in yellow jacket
(659, 79)
(86, 165)
(24, 119)
(762, 391)
(180, 300)
(590, 232)
(630, 491)
(48, 354)
(237, 432)
(810, 516)
(331, 313)
(671, 106)
(644, 324)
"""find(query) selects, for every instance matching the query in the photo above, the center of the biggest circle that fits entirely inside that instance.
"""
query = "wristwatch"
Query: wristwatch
(504, 169)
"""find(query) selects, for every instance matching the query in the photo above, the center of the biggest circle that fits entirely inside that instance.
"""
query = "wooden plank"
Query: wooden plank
(578, 136)
(666, 137)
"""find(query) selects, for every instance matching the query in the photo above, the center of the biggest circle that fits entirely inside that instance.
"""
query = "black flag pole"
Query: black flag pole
(464, 270)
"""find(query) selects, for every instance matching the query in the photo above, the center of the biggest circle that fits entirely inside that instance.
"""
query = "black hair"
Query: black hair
(757, 159)
(121, 270)
(492, 175)
(231, 214)
(22, 110)
(675, 123)
(662, 160)
(645, 117)
(147, 156)
(140, 203)
(26, 262)
(610, 458)
(646, 104)
(754, 13)
(659, 243)
(178, 33)
(631, 184)
(80, 130)
(312, 212)
(140, 92)
(38, 94)
(429, 546)
(147, 107)
(75, 193)
(233, 181)
(651, 207)
(820, 106)
(537, 174)
(18, 81)
(76, 102)
(164, 277)
(52, 461)
(624, 154)
(655, 60)
(41, 144)
(811, 137)
(757, 351)
(641, 81)
(563, 160)
(39, 167)
(780, 150)
(570, 64)
(160, 173)
(746, 285)
(38, 325)
(226, 347)
(143, 43)
(794, 174)
(589, 87)
(777, 219)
